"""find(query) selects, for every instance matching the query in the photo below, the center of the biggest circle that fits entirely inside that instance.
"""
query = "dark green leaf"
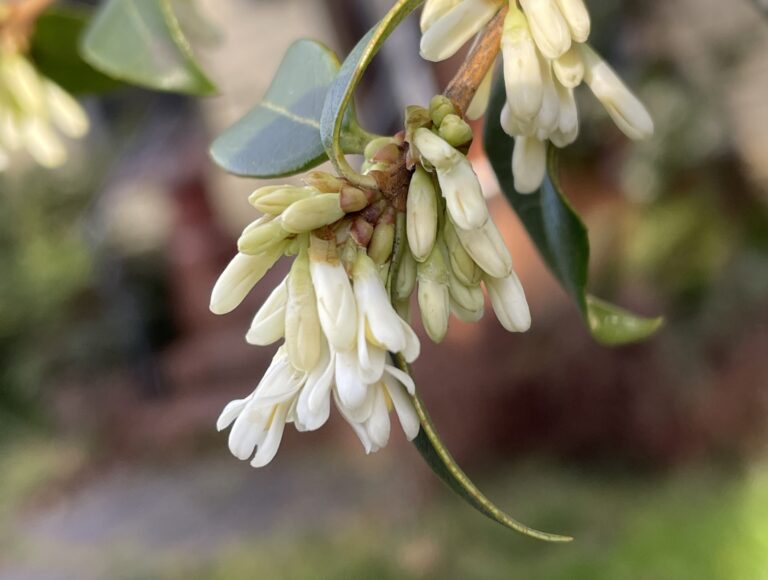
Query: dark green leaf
(141, 42)
(340, 94)
(560, 236)
(54, 50)
(281, 135)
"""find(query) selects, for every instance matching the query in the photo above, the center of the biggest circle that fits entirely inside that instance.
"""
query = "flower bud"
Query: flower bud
(434, 296)
(569, 68)
(42, 143)
(421, 214)
(277, 202)
(373, 146)
(448, 33)
(268, 326)
(522, 71)
(261, 238)
(458, 182)
(455, 130)
(487, 249)
(549, 114)
(468, 297)
(479, 103)
(239, 277)
(462, 264)
(352, 199)
(382, 241)
(509, 303)
(548, 27)
(568, 119)
(263, 191)
(324, 182)
(513, 126)
(312, 213)
(577, 17)
(22, 83)
(622, 105)
(433, 10)
(66, 113)
(439, 107)
(302, 326)
(467, 315)
(529, 164)
(406, 277)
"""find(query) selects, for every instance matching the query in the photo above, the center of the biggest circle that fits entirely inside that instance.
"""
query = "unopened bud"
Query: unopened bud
(302, 325)
(439, 108)
(434, 295)
(387, 155)
(482, 97)
(522, 71)
(433, 10)
(406, 277)
(312, 213)
(529, 163)
(467, 315)
(278, 201)
(468, 297)
(569, 68)
(323, 182)
(239, 277)
(382, 242)
(352, 199)
(509, 303)
(454, 28)
(455, 130)
(264, 191)
(487, 249)
(374, 145)
(421, 214)
(548, 27)
(268, 326)
(261, 238)
(462, 264)
(577, 17)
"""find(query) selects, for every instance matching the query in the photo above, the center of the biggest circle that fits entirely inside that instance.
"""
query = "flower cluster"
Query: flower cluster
(545, 57)
(32, 109)
(334, 311)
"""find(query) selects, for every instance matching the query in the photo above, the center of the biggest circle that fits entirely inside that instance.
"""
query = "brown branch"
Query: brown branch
(476, 65)
(19, 21)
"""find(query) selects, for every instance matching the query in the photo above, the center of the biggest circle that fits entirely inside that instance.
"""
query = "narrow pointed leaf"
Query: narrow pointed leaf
(340, 94)
(54, 50)
(141, 42)
(281, 135)
(560, 236)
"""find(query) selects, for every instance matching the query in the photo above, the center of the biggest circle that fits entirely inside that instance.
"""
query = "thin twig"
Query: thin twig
(20, 20)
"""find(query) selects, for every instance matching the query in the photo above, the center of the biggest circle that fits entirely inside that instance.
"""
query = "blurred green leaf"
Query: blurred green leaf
(281, 135)
(54, 50)
(342, 89)
(559, 235)
(141, 42)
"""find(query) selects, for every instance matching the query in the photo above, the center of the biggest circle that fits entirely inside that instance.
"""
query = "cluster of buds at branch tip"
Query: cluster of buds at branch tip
(546, 57)
(34, 111)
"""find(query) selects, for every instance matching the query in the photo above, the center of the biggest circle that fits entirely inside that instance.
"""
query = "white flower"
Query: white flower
(302, 326)
(458, 182)
(421, 214)
(529, 164)
(509, 303)
(268, 326)
(569, 68)
(239, 278)
(433, 10)
(449, 32)
(522, 71)
(335, 300)
(622, 105)
(577, 17)
(548, 27)
(487, 249)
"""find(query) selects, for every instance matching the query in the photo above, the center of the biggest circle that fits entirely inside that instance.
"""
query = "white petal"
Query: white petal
(529, 165)
(482, 97)
(577, 17)
(449, 33)
(352, 390)
(509, 303)
(406, 412)
(239, 277)
(548, 27)
(404, 378)
(231, 412)
(522, 72)
(378, 425)
(271, 442)
(268, 326)
(463, 195)
(335, 303)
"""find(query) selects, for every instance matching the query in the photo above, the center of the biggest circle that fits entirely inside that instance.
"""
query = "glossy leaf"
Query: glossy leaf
(54, 50)
(342, 89)
(281, 135)
(141, 42)
(560, 236)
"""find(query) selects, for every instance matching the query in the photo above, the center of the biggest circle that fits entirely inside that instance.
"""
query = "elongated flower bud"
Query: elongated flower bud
(261, 238)
(486, 246)
(548, 27)
(264, 191)
(549, 114)
(482, 97)
(467, 315)
(421, 212)
(239, 277)
(324, 182)
(514, 126)
(509, 303)
(569, 68)
(434, 295)
(458, 182)
(382, 242)
(577, 17)
(352, 199)
(313, 213)
(433, 10)
(277, 202)
(440, 107)
(302, 326)
(462, 264)
(622, 105)
(406, 277)
(568, 119)
(66, 113)
(268, 326)
(447, 35)
(522, 71)
(468, 297)
(529, 164)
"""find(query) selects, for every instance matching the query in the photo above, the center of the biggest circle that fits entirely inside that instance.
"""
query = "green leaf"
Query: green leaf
(342, 89)
(54, 50)
(560, 236)
(281, 135)
(141, 42)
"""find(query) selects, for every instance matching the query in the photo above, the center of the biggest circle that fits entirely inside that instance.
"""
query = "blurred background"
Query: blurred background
(113, 372)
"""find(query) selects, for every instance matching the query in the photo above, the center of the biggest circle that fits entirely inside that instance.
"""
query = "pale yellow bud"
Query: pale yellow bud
(382, 241)
(434, 295)
(264, 191)
(522, 71)
(569, 68)
(278, 201)
(455, 130)
(302, 325)
(529, 164)
(261, 238)
(406, 277)
(549, 114)
(509, 303)
(448, 33)
(439, 107)
(313, 213)
(324, 182)
(467, 315)
(548, 27)
(462, 264)
(487, 249)
(468, 297)
(433, 10)
(421, 215)
(577, 17)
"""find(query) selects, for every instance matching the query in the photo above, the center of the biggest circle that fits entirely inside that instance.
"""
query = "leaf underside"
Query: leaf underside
(141, 42)
(281, 135)
(559, 235)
